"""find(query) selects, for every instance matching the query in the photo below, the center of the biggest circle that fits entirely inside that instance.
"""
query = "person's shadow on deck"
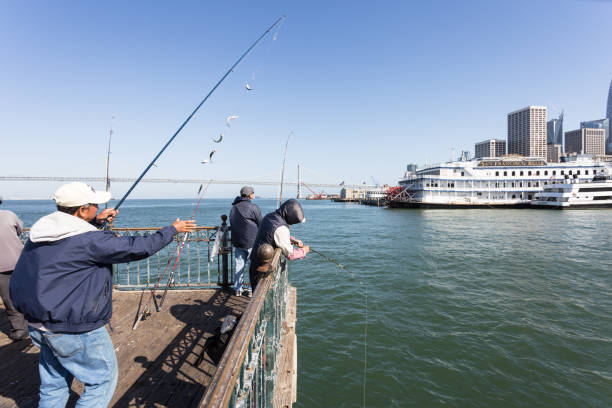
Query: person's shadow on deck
(174, 379)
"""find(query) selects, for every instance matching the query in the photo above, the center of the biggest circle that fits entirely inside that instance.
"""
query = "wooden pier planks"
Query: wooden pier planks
(155, 360)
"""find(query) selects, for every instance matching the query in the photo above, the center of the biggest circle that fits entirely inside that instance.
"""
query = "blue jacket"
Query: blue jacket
(245, 218)
(64, 280)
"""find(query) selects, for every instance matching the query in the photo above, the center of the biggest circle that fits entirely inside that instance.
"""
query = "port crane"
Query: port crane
(314, 195)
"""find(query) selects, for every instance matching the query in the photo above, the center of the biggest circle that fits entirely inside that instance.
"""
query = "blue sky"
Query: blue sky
(366, 87)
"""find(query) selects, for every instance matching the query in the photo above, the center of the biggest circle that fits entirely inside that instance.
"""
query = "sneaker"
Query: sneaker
(18, 335)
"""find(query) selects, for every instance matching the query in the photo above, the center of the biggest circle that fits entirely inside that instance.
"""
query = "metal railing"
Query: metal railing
(247, 373)
(194, 270)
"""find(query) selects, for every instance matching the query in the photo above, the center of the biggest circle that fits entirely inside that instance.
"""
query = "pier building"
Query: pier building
(527, 132)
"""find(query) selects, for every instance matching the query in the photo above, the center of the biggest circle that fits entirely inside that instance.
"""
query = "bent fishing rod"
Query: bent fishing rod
(196, 109)
(177, 251)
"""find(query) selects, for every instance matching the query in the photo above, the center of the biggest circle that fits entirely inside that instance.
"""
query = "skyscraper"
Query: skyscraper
(554, 129)
(609, 117)
(527, 132)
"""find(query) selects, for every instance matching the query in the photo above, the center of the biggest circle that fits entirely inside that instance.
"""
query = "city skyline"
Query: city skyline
(366, 90)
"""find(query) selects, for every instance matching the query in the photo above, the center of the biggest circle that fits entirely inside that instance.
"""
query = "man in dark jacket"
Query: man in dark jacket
(274, 230)
(62, 283)
(244, 220)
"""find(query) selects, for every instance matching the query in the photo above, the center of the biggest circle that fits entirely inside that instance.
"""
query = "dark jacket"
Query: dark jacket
(66, 283)
(289, 213)
(245, 218)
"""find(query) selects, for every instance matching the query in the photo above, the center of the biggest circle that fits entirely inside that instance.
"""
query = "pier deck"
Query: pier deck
(155, 360)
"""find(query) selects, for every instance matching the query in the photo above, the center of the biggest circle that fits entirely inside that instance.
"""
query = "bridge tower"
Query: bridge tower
(299, 184)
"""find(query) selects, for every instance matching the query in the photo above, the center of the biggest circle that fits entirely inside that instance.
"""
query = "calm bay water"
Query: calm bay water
(466, 308)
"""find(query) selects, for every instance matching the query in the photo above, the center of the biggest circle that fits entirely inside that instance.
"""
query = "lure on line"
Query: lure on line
(220, 139)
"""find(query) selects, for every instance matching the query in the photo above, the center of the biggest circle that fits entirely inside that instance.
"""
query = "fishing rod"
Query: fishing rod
(145, 310)
(196, 109)
(280, 194)
(365, 288)
(108, 152)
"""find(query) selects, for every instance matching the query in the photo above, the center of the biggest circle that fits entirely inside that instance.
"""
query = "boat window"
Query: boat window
(462, 174)
(513, 173)
(529, 196)
(521, 172)
(529, 173)
(513, 186)
(538, 173)
(505, 173)
(570, 172)
(496, 173)
(513, 196)
(562, 172)
(546, 172)
(586, 172)
(529, 184)
(578, 172)
(554, 172)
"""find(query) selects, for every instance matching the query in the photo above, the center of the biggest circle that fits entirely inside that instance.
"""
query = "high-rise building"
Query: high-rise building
(585, 141)
(554, 130)
(553, 153)
(527, 132)
(609, 117)
(599, 124)
(490, 148)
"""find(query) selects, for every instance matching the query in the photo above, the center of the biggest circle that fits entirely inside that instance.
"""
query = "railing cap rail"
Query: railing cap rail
(222, 385)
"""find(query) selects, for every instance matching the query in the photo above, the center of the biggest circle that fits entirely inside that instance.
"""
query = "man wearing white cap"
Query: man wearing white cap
(62, 283)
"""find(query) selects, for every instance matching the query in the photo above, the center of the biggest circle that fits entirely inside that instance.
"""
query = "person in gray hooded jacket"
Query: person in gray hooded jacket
(10, 248)
(274, 230)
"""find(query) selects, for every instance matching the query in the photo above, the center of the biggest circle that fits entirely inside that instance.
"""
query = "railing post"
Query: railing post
(223, 250)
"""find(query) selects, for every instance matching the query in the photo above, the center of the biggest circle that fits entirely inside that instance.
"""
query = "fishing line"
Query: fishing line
(177, 250)
(214, 88)
(280, 193)
(365, 330)
(264, 56)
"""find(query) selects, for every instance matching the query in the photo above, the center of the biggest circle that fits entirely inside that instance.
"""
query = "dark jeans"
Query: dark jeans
(16, 318)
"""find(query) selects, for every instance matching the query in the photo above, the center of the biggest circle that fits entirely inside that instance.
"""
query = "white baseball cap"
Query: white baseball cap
(77, 194)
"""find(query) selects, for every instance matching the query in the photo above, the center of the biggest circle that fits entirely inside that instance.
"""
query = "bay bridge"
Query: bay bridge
(297, 184)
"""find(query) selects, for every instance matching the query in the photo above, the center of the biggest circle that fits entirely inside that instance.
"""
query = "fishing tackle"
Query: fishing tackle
(229, 119)
(179, 248)
(281, 18)
(209, 157)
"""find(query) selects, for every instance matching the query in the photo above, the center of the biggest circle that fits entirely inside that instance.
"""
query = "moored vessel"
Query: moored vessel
(570, 194)
(509, 181)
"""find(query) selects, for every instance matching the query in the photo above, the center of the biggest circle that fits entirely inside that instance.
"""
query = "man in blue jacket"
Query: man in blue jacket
(245, 218)
(62, 283)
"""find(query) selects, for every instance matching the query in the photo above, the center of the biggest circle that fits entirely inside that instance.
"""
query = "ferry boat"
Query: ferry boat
(492, 182)
(570, 194)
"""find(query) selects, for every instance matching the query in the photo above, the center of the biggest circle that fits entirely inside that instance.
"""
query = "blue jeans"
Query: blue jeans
(89, 357)
(241, 257)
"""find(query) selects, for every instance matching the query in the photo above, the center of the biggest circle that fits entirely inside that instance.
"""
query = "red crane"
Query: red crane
(315, 195)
